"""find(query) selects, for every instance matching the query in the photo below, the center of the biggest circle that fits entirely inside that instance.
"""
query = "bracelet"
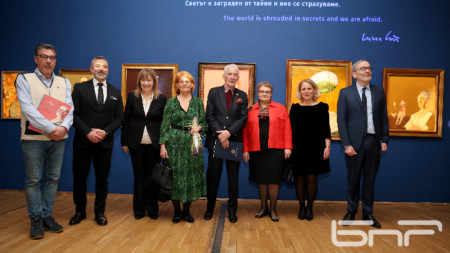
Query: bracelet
(327, 146)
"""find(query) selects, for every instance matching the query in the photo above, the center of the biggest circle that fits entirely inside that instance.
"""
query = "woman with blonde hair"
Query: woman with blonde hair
(311, 139)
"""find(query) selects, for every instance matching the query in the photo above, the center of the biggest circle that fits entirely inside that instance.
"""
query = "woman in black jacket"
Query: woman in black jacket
(140, 136)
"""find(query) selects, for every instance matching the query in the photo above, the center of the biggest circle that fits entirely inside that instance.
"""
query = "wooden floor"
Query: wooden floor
(125, 234)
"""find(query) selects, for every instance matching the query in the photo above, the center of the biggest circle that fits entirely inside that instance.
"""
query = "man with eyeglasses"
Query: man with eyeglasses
(226, 114)
(98, 114)
(47, 148)
(364, 131)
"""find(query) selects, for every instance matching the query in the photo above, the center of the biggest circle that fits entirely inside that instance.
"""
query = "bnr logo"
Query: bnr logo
(369, 237)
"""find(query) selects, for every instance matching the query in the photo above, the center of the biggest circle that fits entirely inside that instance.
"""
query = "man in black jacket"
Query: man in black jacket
(226, 114)
(98, 114)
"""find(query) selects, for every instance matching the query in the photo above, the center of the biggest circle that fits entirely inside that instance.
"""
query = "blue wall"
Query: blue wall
(161, 31)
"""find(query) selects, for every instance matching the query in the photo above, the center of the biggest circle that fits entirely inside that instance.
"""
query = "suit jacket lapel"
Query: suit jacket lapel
(358, 97)
(373, 96)
(91, 90)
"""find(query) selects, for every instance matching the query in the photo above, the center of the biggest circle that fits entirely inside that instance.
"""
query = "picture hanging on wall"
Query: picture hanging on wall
(166, 78)
(76, 75)
(10, 104)
(210, 75)
(330, 76)
(414, 101)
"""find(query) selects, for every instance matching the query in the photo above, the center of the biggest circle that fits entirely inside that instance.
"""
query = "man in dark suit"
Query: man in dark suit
(364, 129)
(98, 114)
(226, 114)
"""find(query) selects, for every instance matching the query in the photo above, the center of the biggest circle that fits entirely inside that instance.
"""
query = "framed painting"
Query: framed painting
(10, 104)
(330, 76)
(210, 75)
(414, 101)
(166, 78)
(76, 75)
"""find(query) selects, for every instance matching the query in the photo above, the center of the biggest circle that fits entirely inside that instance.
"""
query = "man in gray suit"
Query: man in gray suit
(364, 129)
(226, 114)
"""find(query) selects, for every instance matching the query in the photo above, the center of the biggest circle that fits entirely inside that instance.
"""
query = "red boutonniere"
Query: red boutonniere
(239, 101)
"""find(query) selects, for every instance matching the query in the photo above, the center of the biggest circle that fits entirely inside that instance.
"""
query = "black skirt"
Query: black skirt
(266, 166)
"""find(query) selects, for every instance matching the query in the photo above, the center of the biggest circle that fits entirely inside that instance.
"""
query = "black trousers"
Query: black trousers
(145, 196)
(82, 159)
(365, 163)
(213, 179)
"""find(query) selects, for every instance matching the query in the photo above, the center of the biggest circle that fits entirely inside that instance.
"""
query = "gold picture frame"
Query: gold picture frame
(414, 100)
(330, 76)
(166, 78)
(76, 75)
(210, 75)
(10, 103)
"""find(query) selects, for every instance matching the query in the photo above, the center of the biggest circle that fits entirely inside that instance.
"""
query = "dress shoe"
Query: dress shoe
(208, 215)
(349, 216)
(274, 216)
(309, 214)
(261, 213)
(233, 218)
(101, 219)
(370, 217)
(187, 217)
(302, 213)
(153, 216)
(138, 216)
(77, 218)
(176, 217)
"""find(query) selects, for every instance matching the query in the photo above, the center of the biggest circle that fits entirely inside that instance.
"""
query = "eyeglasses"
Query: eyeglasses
(44, 56)
(184, 82)
(265, 91)
(364, 69)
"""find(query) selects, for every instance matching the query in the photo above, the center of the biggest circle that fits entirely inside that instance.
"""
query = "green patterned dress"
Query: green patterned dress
(188, 170)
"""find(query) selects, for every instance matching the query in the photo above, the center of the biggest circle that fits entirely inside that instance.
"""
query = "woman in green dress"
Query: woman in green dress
(177, 134)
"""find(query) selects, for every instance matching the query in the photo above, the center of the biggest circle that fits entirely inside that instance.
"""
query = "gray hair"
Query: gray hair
(98, 58)
(225, 70)
(357, 63)
(44, 46)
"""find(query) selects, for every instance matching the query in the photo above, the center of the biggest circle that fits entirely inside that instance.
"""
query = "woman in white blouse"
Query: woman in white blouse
(140, 136)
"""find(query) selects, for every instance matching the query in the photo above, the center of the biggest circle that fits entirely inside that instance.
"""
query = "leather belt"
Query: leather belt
(186, 129)
(368, 135)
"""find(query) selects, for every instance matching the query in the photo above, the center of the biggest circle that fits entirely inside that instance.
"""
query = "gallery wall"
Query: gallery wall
(390, 34)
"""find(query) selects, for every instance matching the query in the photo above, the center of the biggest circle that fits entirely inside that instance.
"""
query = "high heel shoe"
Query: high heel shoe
(261, 214)
(309, 214)
(302, 213)
(273, 217)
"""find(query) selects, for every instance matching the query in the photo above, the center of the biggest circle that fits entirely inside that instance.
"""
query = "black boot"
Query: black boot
(176, 211)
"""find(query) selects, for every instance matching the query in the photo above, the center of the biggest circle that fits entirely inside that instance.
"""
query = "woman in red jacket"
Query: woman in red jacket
(267, 142)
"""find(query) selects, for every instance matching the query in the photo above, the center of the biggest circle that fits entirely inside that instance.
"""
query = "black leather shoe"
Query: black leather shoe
(187, 217)
(176, 217)
(77, 218)
(101, 219)
(261, 213)
(309, 214)
(138, 216)
(153, 216)
(349, 216)
(233, 218)
(370, 217)
(302, 213)
(208, 215)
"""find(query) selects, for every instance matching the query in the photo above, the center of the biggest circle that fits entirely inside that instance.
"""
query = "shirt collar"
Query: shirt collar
(96, 82)
(226, 90)
(360, 87)
(41, 76)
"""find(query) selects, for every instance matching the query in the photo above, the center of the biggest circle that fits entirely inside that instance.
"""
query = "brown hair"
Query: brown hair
(147, 74)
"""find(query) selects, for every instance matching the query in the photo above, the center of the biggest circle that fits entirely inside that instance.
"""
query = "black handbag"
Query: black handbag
(163, 175)
(288, 173)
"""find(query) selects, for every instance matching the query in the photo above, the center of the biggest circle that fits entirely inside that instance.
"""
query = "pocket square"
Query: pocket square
(112, 98)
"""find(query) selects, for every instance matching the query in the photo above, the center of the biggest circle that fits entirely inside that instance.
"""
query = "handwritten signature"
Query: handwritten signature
(389, 37)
